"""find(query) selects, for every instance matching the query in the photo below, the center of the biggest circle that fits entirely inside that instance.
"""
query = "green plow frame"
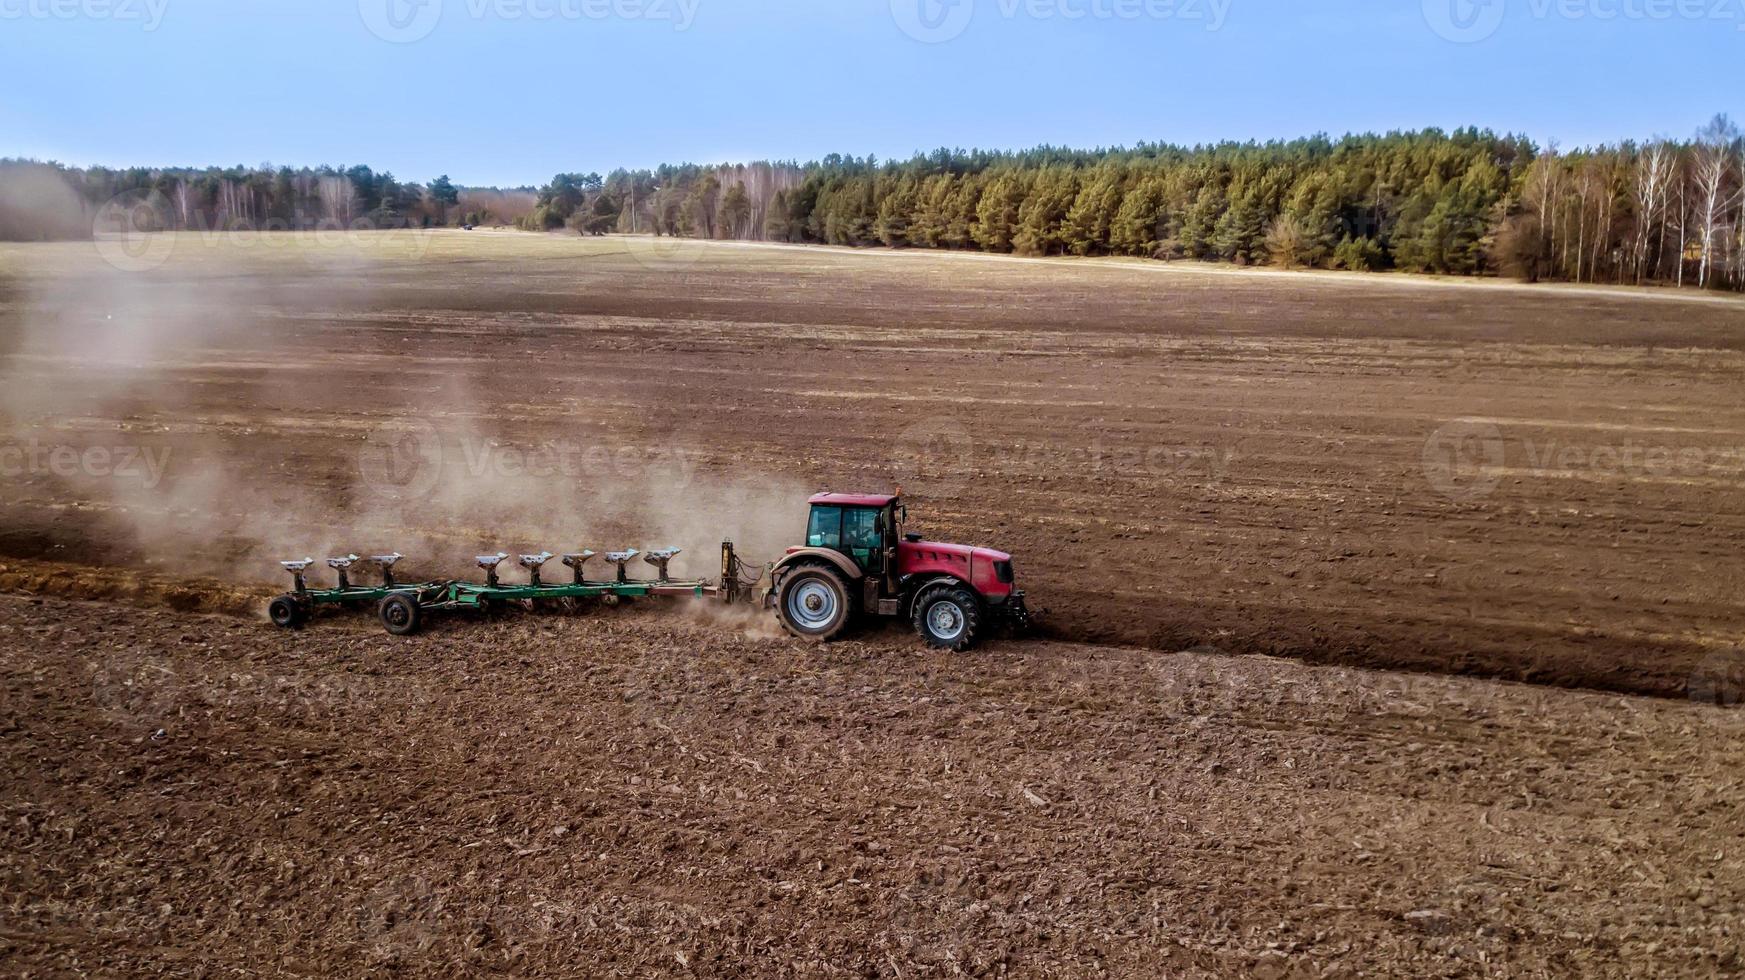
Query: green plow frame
(403, 606)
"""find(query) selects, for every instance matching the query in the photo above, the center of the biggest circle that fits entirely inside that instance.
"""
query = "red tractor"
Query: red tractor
(857, 559)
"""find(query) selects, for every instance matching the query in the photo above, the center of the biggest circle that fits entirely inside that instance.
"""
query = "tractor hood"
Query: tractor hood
(962, 551)
(977, 566)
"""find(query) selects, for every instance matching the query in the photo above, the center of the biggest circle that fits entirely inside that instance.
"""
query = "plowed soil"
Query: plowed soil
(1532, 483)
(637, 793)
(1350, 473)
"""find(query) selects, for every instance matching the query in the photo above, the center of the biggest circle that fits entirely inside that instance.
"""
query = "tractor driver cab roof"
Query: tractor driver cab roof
(853, 499)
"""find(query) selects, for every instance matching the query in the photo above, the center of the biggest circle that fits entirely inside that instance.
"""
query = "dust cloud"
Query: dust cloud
(196, 364)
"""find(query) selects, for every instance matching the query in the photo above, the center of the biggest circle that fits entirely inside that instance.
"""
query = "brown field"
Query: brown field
(630, 794)
(1538, 484)
(1436, 478)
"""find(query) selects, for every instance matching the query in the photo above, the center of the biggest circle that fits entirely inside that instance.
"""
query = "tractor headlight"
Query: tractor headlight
(1003, 571)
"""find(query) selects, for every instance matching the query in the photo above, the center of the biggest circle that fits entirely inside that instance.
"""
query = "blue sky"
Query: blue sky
(512, 91)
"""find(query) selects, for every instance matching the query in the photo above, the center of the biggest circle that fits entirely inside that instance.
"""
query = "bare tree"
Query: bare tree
(1541, 196)
(1653, 171)
(1603, 236)
(1593, 205)
(1739, 230)
(1713, 154)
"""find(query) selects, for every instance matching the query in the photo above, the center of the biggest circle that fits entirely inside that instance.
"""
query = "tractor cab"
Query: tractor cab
(860, 527)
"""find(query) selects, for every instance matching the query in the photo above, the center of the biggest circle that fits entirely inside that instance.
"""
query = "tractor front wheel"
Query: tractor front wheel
(287, 612)
(948, 616)
(814, 604)
(399, 613)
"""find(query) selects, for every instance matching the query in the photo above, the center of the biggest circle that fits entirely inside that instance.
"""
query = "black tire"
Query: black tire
(400, 614)
(287, 612)
(948, 616)
(814, 603)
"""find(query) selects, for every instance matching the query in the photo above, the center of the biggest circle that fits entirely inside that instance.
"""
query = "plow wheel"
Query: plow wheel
(814, 603)
(948, 616)
(286, 612)
(399, 614)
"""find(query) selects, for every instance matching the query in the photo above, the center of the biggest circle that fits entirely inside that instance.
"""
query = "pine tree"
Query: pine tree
(1043, 213)
(734, 217)
(997, 212)
(1240, 234)
(1201, 222)
(897, 207)
(775, 218)
(1086, 230)
(1136, 227)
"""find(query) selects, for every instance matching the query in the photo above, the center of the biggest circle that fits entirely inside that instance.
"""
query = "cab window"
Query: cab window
(825, 530)
(860, 535)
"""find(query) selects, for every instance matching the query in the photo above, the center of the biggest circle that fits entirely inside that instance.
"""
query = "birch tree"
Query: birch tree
(1713, 156)
(1653, 171)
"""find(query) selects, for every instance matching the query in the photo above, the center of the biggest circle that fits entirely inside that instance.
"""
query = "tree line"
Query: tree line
(1467, 202)
(49, 200)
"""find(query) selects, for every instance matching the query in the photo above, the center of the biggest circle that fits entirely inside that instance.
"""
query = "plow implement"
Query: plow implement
(403, 607)
(857, 563)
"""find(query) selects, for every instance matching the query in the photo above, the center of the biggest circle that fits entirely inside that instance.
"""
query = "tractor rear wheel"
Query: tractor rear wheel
(400, 614)
(948, 616)
(814, 603)
(287, 612)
